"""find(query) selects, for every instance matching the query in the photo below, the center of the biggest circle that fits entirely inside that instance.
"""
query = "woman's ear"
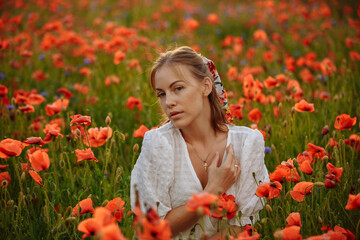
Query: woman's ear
(207, 86)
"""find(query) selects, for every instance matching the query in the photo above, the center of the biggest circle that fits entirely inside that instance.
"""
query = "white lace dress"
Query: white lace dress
(166, 179)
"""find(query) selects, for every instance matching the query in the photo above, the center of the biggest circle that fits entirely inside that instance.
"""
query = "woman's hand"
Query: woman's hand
(222, 176)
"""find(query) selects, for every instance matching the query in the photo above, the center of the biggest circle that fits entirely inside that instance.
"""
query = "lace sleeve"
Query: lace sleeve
(152, 175)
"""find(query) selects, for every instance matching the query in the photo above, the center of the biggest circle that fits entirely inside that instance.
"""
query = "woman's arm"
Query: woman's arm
(220, 178)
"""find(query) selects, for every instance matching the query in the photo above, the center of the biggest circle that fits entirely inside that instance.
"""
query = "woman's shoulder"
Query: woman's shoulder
(244, 132)
(162, 135)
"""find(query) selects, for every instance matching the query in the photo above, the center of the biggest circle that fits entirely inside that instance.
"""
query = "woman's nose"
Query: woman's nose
(170, 100)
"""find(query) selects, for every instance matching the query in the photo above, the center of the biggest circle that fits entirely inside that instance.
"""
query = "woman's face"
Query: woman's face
(180, 94)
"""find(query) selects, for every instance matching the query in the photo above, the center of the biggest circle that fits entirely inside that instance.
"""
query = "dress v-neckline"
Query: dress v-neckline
(188, 160)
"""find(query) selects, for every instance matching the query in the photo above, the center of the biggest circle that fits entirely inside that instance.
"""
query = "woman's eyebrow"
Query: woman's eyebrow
(159, 89)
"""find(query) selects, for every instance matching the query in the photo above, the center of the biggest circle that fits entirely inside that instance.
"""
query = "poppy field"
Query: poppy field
(76, 101)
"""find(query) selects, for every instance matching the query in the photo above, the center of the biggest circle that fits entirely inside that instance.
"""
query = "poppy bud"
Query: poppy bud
(336, 98)
(280, 105)
(118, 179)
(329, 183)
(104, 203)
(268, 208)
(122, 136)
(320, 220)
(22, 178)
(136, 147)
(273, 146)
(77, 132)
(118, 171)
(70, 219)
(264, 220)
(285, 123)
(126, 136)
(62, 163)
(325, 130)
(319, 184)
(108, 120)
(200, 211)
(293, 110)
(325, 158)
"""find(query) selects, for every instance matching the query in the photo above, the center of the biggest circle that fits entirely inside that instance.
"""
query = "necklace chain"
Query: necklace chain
(205, 165)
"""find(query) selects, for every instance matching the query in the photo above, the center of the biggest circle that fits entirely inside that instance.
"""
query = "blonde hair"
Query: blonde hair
(189, 58)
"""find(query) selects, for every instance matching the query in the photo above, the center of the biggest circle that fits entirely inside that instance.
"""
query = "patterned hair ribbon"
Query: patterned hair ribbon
(219, 87)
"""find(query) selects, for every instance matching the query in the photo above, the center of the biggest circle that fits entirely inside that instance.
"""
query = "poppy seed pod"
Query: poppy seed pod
(136, 147)
(10, 203)
(104, 203)
(319, 184)
(325, 158)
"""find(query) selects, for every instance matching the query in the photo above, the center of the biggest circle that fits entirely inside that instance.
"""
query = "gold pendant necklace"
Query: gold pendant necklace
(205, 165)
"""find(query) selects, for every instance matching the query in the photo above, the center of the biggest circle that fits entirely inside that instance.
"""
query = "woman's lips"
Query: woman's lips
(175, 115)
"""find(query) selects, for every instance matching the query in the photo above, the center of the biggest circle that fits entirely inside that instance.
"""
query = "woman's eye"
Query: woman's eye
(160, 95)
(178, 88)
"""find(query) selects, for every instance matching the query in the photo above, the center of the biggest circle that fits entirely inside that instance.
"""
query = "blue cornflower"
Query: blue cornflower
(87, 61)
(41, 56)
(267, 149)
(2, 75)
(10, 107)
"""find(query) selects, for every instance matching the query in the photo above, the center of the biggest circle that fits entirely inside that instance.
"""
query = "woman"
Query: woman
(197, 149)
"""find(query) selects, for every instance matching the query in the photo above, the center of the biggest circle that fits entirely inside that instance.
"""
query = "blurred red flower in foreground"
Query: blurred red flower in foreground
(10, 147)
(86, 205)
(102, 225)
(269, 190)
(353, 202)
(204, 200)
(300, 190)
(35, 176)
(304, 106)
(140, 132)
(4, 179)
(97, 137)
(134, 102)
(226, 206)
(86, 154)
(344, 121)
(289, 233)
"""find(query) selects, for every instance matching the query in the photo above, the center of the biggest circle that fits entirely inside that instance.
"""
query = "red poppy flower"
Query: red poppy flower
(97, 137)
(304, 159)
(27, 108)
(118, 57)
(10, 147)
(4, 179)
(4, 166)
(39, 160)
(260, 35)
(254, 115)
(66, 92)
(52, 131)
(85, 71)
(203, 200)
(151, 227)
(56, 107)
(335, 171)
(269, 190)
(81, 88)
(353, 202)
(300, 190)
(39, 76)
(134, 102)
(116, 207)
(304, 106)
(289, 233)
(25, 167)
(112, 231)
(86, 154)
(111, 79)
(347, 233)
(327, 67)
(344, 121)
(3, 90)
(89, 227)
(212, 18)
(329, 235)
(34, 140)
(236, 110)
(271, 82)
(140, 132)
(35, 176)
(316, 151)
(245, 235)
(226, 206)
(293, 219)
(285, 171)
(86, 205)
(79, 119)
